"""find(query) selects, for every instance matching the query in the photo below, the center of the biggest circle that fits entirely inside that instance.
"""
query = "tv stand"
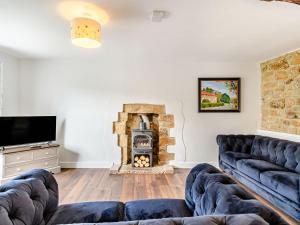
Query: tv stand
(17, 160)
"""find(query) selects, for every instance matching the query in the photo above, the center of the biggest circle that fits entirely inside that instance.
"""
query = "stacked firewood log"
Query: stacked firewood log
(141, 161)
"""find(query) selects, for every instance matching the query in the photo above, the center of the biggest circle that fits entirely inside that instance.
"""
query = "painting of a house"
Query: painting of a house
(211, 97)
(219, 94)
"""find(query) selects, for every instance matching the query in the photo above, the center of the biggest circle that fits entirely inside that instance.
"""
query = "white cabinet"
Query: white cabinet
(15, 161)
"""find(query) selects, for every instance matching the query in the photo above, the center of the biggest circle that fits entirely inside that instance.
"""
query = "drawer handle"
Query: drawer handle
(46, 153)
(18, 158)
(19, 169)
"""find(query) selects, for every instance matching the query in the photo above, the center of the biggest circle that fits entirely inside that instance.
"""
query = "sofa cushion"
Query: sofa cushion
(244, 219)
(88, 212)
(280, 152)
(231, 158)
(253, 167)
(156, 209)
(284, 183)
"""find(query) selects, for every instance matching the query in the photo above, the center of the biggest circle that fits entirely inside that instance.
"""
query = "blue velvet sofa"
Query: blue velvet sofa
(269, 166)
(32, 199)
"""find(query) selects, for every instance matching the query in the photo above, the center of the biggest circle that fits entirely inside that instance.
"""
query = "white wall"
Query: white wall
(86, 95)
(10, 73)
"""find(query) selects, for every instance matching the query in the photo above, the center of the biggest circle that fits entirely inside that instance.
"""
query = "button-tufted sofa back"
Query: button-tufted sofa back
(235, 143)
(281, 152)
(29, 199)
(210, 192)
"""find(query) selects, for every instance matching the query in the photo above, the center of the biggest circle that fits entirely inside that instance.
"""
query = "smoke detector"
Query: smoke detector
(158, 15)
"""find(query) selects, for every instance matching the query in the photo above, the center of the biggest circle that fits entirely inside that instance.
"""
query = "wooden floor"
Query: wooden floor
(78, 185)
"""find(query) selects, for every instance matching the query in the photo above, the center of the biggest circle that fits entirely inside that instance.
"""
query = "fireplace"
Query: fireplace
(142, 148)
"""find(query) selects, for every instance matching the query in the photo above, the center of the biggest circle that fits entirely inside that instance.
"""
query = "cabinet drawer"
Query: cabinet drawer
(45, 153)
(47, 163)
(15, 170)
(10, 171)
(18, 157)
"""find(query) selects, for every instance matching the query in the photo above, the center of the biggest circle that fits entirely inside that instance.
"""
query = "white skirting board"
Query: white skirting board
(109, 164)
(86, 164)
(191, 164)
(285, 136)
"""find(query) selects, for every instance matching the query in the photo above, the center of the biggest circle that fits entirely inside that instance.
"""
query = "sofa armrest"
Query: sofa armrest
(235, 143)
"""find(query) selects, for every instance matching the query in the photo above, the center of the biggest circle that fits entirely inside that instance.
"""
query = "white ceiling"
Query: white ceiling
(196, 30)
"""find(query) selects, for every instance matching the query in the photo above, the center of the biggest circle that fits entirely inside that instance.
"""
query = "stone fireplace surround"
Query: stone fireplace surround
(160, 123)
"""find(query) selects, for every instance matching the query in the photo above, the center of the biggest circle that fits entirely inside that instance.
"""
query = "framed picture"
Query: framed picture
(219, 94)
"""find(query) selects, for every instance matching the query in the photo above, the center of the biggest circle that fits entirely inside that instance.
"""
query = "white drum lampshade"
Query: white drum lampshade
(85, 32)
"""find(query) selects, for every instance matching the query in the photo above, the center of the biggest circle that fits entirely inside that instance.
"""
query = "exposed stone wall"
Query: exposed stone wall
(160, 122)
(280, 93)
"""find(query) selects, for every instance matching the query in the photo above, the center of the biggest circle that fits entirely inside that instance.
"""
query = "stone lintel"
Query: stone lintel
(144, 108)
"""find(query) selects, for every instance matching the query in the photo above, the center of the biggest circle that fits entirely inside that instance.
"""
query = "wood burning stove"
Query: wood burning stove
(142, 148)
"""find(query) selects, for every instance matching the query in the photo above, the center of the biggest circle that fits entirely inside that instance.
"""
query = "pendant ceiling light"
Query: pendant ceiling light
(86, 20)
(85, 33)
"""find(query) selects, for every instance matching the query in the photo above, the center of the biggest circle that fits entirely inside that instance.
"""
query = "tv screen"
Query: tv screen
(27, 130)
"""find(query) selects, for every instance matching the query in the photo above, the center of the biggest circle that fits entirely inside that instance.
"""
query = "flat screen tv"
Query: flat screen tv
(27, 130)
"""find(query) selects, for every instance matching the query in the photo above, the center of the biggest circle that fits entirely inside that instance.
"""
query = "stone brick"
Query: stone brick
(296, 59)
(164, 141)
(163, 148)
(279, 64)
(273, 112)
(278, 94)
(122, 117)
(296, 108)
(166, 156)
(295, 70)
(264, 67)
(290, 102)
(164, 132)
(292, 130)
(166, 117)
(295, 122)
(124, 156)
(269, 85)
(278, 104)
(291, 115)
(281, 75)
(119, 127)
(166, 121)
(293, 93)
(166, 124)
(268, 76)
(123, 140)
